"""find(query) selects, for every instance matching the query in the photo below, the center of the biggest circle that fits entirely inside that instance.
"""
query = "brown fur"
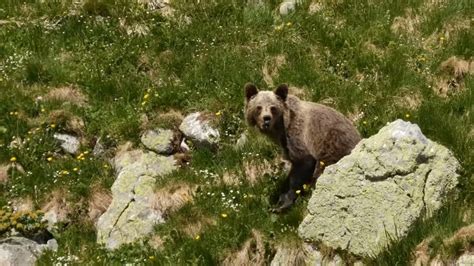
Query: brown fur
(310, 128)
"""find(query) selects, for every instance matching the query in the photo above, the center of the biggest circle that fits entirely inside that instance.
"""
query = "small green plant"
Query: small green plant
(27, 223)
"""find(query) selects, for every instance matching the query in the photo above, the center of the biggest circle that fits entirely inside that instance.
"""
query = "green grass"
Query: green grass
(202, 65)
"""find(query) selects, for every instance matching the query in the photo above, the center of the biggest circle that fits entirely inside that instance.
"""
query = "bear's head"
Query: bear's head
(265, 109)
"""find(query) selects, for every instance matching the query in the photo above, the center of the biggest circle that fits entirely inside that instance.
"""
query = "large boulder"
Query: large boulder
(378, 191)
(197, 127)
(23, 251)
(131, 215)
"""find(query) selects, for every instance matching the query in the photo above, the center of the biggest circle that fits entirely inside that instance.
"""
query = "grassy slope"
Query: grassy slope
(203, 66)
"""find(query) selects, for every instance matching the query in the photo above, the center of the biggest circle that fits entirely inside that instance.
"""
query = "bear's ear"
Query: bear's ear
(250, 90)
(282, 91)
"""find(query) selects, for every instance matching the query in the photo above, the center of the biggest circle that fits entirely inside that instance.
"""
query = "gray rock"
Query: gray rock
(99, 148)
(379, 190)
(465, 260)
(288, 6)
(199, 130)
(22, 251)
(69, 144)
(130, 216)
(243, 139)
(159, 140)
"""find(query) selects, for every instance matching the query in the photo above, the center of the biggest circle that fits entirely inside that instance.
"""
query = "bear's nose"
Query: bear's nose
(267, 119)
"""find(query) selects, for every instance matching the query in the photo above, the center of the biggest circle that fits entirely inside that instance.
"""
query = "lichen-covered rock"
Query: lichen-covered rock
(378, 191)
(69, 144)
(159, 140)
(197, 128)
(22, 251)
(130, 216)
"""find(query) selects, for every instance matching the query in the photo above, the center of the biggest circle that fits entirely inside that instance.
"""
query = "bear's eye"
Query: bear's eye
(259, 108)
(273, 109)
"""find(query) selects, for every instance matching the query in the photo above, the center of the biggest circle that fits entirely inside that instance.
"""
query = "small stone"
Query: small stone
(183, 146)
(69, 144)
(287, 7)
(159, 140)
(99, 148)
(198, 129)
(241, 141)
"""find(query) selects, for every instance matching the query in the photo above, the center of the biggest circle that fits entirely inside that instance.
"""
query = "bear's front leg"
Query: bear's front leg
(301, 173)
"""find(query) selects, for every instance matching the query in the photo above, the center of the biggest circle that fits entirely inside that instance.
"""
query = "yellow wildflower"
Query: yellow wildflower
(43, 110)
(49, 159)
(305, 187)
(151, 257)
(298, 192)
(407, 115)
(289, 24)
(321, 163)
(197, 237)
(13, 159)
(146, 96)
(143, 103)
(365, 122)
(75, 169)
(224, 215)
(52, 125)
(86, 152)
(218, 113)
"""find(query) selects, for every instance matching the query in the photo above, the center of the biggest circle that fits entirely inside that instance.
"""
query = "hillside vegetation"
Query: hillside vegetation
(108, 70)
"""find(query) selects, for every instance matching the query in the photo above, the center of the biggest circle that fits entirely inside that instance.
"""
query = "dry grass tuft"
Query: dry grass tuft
(230, 179)
(170, 119)
(302, 93)
(4, 173)
(251, 253)
(254, 172)
(67, 94)
(5, 168)
(156, 242)
(99, 201)
(410, 100)
(195, 227)
(271, 68)
(452, 74)
(407, 25)
(172, 197)
(23, 204)
(421, 255)
(298, 255)
(464, 236)
(57, 208)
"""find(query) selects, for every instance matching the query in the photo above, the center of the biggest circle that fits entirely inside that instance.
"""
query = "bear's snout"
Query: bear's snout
(266, 121)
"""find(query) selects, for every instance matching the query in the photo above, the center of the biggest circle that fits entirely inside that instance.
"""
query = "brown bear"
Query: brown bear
(311, 134)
